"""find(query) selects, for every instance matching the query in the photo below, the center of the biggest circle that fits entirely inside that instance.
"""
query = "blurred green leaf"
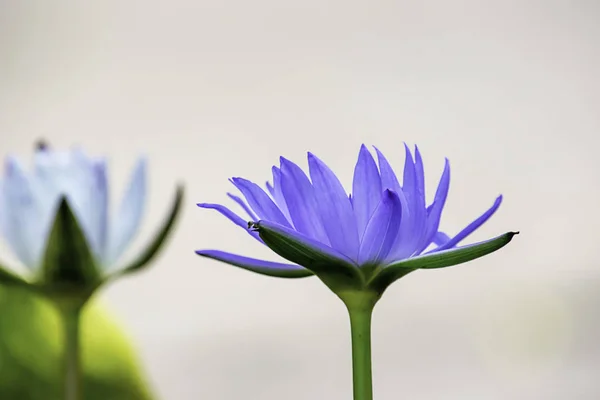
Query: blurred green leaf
(31, 348)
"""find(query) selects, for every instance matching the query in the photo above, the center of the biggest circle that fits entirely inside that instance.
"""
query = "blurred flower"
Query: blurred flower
(363, 241)
(55, 220)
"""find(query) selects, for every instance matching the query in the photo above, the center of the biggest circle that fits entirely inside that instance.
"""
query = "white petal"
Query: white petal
(25, 221)
(83, 181)
(126, 222)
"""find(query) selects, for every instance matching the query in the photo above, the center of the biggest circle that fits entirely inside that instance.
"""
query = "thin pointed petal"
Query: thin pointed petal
(270, 188)
(334, 208)
(279, 270)
(381, 230)
(434, 212)
(366, 188)
(440, 259)
(420, 176)
(471, 227)
(126, 223)
(389, 180)
(230, 215)
(278, 193)
(300, 197)
(260, 202)
(243, 204)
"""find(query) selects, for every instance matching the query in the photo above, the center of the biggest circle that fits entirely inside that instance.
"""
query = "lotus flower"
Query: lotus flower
(362, 241)
(55, 218)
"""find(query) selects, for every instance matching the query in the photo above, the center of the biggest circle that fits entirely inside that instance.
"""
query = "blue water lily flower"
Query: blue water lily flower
(55, 218)
(362, 241)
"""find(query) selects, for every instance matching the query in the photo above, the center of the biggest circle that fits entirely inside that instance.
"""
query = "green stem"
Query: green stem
(71, 316)
(360, 308)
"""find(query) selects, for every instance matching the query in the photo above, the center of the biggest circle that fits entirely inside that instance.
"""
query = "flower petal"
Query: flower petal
(263, 267)
(309, 253)
(388, 176)
(381, 230)
(334, 208)
(471, 227)
(278, 194)
(416, 201)
(25, 223)
(83, 181)
(434, 212)
(233, 217)
(440, 238)
(270, 188)
(260, 202)
(403, 246)
(128, 218)
(243, 204)
(440, 259)
(300, 197)
(366, 188)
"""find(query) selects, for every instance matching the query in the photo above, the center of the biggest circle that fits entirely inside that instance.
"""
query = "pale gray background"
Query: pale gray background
(508, 90)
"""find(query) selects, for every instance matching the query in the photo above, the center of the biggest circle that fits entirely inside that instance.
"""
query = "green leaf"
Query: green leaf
(151, 251)
(68, 263)
(445, 258)
(336, 272)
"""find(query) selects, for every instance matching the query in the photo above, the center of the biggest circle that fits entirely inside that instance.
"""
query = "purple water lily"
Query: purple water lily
(315, 224)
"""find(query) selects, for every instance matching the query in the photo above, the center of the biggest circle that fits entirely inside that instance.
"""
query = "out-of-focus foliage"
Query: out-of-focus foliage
(31, 347)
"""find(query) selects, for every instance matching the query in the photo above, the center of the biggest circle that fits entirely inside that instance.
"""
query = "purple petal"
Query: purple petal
(434, 212)
(260, 202)
(366, 188)
(416, 202)
(382, 229)
(334, 208)
(243, 204)
(278, 194)
(388, 176)
(270, 189)
(300, 197)
(419, 178)
(471, 227)
(233, 217)
(260, 266)
(440, 238)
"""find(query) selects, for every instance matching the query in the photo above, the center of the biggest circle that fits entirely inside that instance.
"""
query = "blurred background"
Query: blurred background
(507, 90)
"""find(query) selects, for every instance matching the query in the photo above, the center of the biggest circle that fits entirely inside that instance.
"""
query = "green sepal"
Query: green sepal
(288, 271)
(338, 274)
(68, 265)
(152, 249)
(442, 259)
(9, 279)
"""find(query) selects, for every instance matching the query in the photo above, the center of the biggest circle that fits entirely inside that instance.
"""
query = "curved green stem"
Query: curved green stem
(360, 308)
(71, 316)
